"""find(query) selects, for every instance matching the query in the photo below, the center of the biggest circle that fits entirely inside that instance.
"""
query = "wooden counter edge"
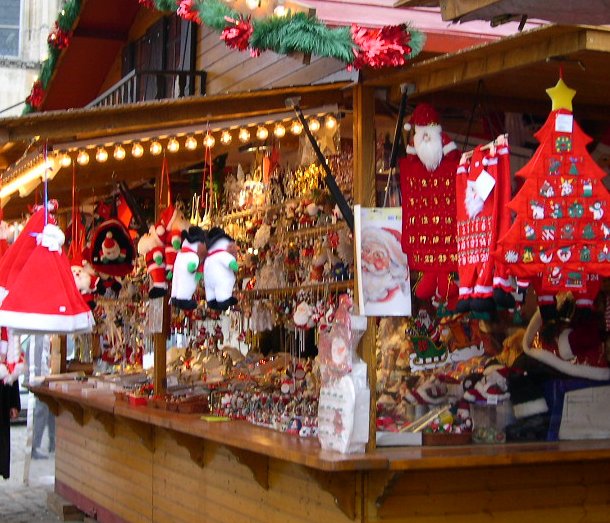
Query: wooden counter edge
(307, 452)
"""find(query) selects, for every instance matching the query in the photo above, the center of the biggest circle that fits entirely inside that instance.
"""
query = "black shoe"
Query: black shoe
(36, 454)
(223, 305)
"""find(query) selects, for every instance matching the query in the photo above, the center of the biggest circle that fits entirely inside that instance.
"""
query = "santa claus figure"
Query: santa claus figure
(384, 266)
(152, 248)
(169, 229)
(111, 250)
(85, 278)
(427, 180)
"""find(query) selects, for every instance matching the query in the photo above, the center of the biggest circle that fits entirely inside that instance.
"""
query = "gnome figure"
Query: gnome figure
(219, 270)
(188, 268)
(151, 246)
(427, 179)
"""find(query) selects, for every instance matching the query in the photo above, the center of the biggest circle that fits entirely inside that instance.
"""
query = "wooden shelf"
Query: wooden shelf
(306, 232)
(326, 286)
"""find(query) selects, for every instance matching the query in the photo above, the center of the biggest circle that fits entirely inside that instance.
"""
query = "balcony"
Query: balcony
(140, 86)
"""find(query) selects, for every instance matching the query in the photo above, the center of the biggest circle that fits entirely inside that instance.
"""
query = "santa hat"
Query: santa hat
(423, 115)
(578, 352)
(167, 219)
(43, 297)
(17, 254)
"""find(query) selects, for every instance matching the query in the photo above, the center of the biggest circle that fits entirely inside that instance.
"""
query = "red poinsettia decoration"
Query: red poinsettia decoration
(58, 38)
(382, 47)
(36, 95)
(237, 33)
(188, 11)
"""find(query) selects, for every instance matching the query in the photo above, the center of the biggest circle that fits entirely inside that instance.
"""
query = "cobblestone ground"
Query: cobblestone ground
(21, 502)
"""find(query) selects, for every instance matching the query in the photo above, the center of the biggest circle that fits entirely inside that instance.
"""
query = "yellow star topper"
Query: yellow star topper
(561, 96)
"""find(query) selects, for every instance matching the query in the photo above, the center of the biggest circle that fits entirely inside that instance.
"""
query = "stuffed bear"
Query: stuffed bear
(187, 268)
(152, 247)
(219, 270)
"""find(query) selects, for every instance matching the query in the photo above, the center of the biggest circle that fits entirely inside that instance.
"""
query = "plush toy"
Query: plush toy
(169, 229)
(85, 279)
(12, 363)
(219, 270)
(112, 249)
(151, 246)
(187, 268)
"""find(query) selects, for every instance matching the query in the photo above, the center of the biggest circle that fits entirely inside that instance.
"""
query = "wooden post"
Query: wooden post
(364, 194)
(160, 338)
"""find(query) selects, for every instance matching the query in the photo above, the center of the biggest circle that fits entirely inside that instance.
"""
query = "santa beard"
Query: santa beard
(428, 144)
(376, 284)
(473, 202)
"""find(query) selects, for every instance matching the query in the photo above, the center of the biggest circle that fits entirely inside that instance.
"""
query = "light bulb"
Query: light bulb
(279, 131)
(119, 153)
(190, 143)
(173, 145)
(209, 141)
(262, 132)
(314, 125)
(253, 4)
(155, 148)
(244, 135)
(82, 158)
(331, 122)
(66, 160)
(280, 10)
(226, 138)
(137, 150)
(296, 127)
(101, 155)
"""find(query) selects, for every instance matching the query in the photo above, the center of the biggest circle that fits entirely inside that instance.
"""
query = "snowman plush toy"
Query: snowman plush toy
(187, 268)
(219, 270)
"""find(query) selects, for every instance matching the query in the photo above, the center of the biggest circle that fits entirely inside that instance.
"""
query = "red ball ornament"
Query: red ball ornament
(237, 34)
(36, 95)
(58, 38)
(383, 47)
(188, 11)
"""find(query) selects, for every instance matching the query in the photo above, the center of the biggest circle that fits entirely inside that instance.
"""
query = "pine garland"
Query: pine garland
(214, 14)
(297, 32)
(302, 33)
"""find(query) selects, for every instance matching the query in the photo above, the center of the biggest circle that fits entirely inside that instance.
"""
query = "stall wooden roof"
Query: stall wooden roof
(515, 72)
(101, 126)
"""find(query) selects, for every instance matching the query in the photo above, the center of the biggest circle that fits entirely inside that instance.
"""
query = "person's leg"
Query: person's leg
(41, 412)
(51, 432)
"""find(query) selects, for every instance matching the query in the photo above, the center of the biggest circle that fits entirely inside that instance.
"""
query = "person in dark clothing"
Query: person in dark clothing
(10, 405)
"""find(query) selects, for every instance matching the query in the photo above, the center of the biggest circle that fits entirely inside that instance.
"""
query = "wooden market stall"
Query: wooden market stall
(119, 462)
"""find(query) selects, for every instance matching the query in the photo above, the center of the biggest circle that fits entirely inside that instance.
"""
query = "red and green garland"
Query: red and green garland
(356, 46)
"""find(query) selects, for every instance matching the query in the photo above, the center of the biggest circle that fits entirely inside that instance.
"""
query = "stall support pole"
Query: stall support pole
(364, 194)
(160, 338)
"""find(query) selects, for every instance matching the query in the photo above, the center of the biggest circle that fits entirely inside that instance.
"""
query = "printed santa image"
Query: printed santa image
(427, 182)
(382, 266)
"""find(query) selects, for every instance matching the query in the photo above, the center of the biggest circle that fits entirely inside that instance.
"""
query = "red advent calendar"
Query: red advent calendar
(561, 233)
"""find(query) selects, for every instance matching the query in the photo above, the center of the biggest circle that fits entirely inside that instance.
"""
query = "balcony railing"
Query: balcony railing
(139, 86)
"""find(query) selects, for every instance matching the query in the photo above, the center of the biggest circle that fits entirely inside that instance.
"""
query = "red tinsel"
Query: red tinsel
(384, 47)
(188, 11)
(58, 38)
(150, 4)
(36, 95)
(237, 33)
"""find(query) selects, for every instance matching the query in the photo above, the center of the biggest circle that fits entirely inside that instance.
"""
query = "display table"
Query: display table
(119, 462)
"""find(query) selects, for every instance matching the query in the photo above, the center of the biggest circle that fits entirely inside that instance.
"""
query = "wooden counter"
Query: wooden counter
(125, 463)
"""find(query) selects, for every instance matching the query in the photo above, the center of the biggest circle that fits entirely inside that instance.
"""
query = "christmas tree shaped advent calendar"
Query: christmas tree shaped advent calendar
(561, 232)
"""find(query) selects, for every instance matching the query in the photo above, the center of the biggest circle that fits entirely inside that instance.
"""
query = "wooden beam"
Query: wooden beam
(456, 9)
(364, 194)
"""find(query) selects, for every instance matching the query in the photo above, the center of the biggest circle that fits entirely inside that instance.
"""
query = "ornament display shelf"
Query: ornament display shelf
(327, 287)
(307, 232)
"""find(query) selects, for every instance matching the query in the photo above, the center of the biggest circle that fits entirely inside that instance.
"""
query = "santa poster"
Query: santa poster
(383, 272)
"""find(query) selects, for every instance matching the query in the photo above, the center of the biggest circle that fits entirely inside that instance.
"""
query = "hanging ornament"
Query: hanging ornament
(36, 95)
(187, 9)
(58, 38)
(237, 34)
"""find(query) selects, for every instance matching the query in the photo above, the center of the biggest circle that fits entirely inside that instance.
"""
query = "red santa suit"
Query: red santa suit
(483, 193)
(151, 246)
(428, 205)
(170, 229)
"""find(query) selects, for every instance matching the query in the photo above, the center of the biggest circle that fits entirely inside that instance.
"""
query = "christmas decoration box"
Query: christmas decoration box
(578, 409)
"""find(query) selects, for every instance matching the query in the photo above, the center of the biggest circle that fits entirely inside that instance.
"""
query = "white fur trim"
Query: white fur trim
(502, 150)
(504, 282)
(563, 345)
(47, 323)
(447, 148)
(550, 359)
(465, 290)
(492, 161)
(483, 289)
(584, 301)
(530, 408)
(411, 149)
